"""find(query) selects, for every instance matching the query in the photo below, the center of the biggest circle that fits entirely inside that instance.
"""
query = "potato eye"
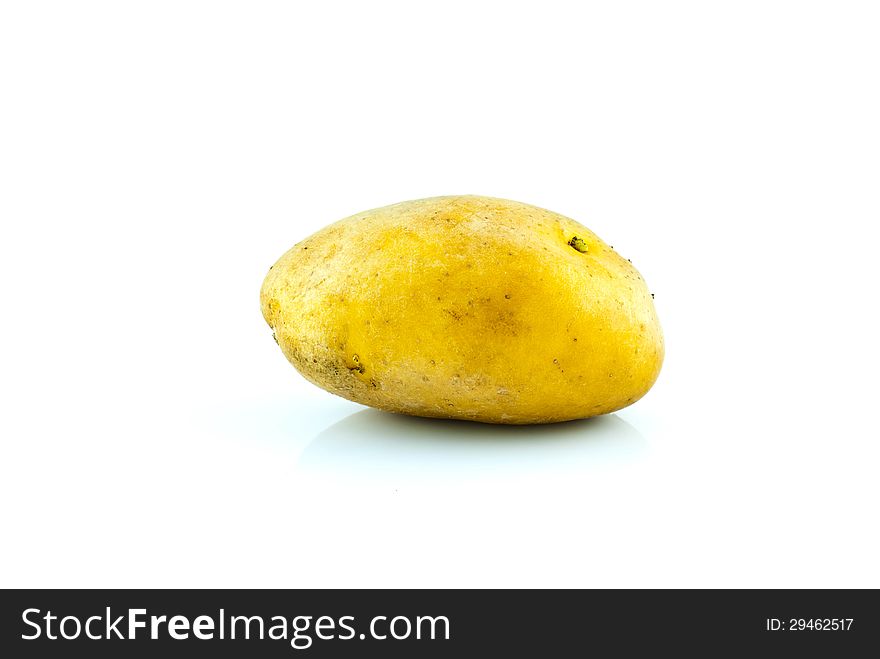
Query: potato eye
(579, 244)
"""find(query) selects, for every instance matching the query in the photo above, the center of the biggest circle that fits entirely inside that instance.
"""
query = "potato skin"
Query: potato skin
(466, 307)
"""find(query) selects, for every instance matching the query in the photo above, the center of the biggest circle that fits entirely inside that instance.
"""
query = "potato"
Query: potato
(466, 307)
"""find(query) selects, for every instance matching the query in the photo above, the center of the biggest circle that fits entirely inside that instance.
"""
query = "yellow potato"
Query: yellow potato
(466, 307)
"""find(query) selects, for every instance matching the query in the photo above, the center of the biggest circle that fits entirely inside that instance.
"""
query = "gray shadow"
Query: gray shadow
(371, 443)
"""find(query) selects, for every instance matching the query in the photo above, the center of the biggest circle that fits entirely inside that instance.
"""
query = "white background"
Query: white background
(157, 157)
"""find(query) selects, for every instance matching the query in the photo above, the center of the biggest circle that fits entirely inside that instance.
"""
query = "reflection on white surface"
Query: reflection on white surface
(374, 446)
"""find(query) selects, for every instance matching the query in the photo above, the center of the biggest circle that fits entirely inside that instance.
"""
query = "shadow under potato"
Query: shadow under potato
(372, 441)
